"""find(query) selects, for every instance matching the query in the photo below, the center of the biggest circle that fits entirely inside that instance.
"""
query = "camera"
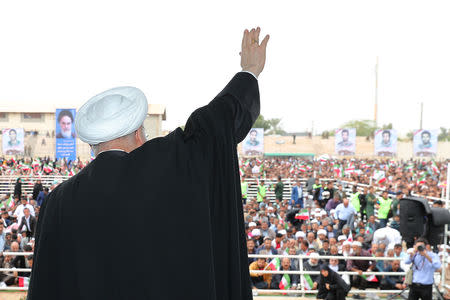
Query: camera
(420, 248)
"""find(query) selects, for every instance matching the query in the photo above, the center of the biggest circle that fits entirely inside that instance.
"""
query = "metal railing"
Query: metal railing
(301, 288)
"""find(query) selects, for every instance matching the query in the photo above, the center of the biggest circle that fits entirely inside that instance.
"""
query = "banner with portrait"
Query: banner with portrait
(345, 141)
(425, 142)
(13, 141)
(65, 134)
(253, 143)
(385, 142)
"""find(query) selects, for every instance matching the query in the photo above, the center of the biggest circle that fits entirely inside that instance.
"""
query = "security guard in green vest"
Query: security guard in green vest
(354, 200)
(261, 192)
(384, 206)
(317, 187)
(244, 188)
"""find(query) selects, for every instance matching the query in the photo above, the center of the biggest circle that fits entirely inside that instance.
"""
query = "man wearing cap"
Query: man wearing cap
(201, 160)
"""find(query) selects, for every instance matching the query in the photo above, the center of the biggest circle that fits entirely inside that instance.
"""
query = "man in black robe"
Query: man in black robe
(189, 177)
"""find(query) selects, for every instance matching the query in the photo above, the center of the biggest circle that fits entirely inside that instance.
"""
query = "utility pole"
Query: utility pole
(421, 114)
(376, 94)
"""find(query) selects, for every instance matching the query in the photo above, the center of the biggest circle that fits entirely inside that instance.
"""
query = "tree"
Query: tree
(387, 126)
(275, 126)
(363, 127)
(261, 123)
(444, 135)
(270, 126)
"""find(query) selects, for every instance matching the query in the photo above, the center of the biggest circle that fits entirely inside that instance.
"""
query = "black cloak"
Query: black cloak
(164, 221)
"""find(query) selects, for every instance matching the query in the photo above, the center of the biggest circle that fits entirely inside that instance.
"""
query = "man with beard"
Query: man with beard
(359, 266)
(65, 120)
(313, 264)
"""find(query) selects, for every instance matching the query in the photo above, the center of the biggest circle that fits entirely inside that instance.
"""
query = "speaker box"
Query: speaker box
(413, 213)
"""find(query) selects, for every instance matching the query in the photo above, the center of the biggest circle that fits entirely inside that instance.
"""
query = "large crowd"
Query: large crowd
(317, 219)
(332, 219)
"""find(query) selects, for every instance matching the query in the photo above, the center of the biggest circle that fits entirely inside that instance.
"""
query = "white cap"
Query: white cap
(314, 255)
(270, 208)
(251, 224)
(356, 243)
(111, 114)
(341, 238)
(318, 210)
(314, 221)
(347, 243)
(256, 232)
(299, 234)
(322, 231)
(282, 231)
(324, 213)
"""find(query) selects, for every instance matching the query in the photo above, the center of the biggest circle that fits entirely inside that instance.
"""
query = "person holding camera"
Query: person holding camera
(424, 263)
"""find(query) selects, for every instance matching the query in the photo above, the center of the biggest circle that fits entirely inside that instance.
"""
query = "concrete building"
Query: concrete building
(38, 122)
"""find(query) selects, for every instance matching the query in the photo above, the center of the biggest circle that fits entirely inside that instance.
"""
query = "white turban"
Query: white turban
(111, 114)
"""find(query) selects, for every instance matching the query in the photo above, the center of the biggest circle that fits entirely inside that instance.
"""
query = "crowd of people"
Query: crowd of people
(19, 215)
(318, 219)
(328, 219)
(420, 177)
(41, 166)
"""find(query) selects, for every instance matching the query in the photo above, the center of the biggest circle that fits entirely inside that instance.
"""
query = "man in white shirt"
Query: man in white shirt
(18, 213)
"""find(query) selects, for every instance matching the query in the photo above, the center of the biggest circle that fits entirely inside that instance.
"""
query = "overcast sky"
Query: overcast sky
(320, 61)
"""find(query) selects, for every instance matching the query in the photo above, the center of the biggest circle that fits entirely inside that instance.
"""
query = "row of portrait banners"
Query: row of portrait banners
(66, 145)
(385, 141)
(424, 141)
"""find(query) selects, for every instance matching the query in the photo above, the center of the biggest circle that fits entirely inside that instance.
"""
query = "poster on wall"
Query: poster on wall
(65, 134)
(13, 141)
(385, 142)
(345, 141)
(253, 143)
(425, 142)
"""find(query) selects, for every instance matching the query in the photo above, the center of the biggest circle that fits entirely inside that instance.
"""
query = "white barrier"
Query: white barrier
(301, 289)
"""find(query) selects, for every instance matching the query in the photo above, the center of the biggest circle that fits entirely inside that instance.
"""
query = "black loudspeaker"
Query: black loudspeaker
(413, 212)
(438, 219)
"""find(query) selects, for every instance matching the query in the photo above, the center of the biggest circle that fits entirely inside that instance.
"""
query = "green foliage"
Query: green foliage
(363, 127)
(444, 135)
(271, 126)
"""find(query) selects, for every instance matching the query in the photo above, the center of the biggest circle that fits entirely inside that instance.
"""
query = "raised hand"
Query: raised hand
(253, 54)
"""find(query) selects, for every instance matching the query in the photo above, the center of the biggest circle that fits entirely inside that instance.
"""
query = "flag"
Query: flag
(292, 170)
(241, 172)
(434, 167)
(379, 176)
(274, 264)
(350, 237)
(8, 203)
(307, 282)
(24, 281)
(247, 163)
(302, 168)
(371, 278)
(302, 214)
(285, 282)
(47, 168)
(422, 178)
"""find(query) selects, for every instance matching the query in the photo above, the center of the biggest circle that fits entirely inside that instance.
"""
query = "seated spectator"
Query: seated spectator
(266, 231)
(260, 280)
(278, 242)
(7, 278)
(325, 250)
(359, 266)
(294, 261)
(267, 248)
(393, 282)
(251, 250)
(312, 240)
(2, 238)
(290, 280)
(395, 224)
(313, 264)
(331, 285)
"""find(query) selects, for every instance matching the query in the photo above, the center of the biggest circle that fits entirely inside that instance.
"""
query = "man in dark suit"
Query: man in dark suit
(29, 222)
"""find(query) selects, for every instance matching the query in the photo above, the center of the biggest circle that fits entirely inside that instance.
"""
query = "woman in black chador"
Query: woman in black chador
(331, 286)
